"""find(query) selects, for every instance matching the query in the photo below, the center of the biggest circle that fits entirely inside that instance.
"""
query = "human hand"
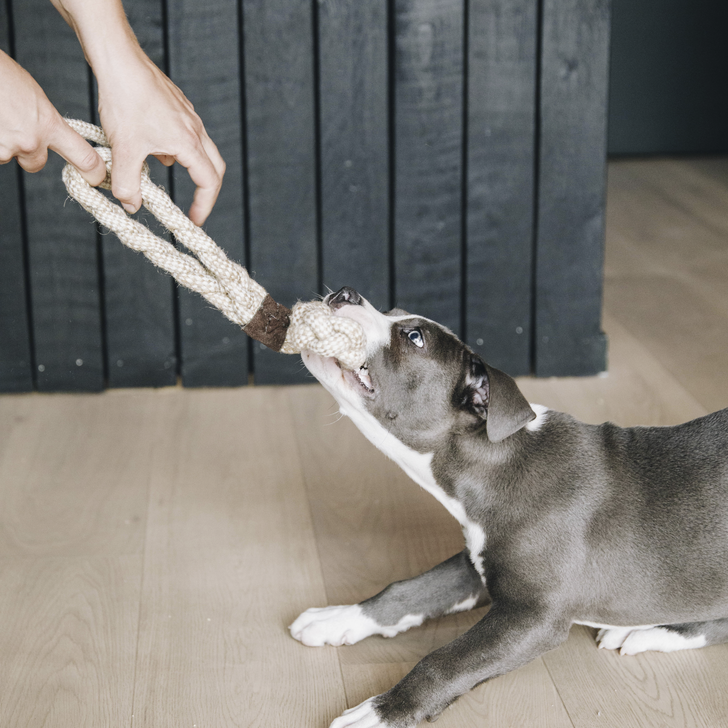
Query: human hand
(142, 113)
(30, 126)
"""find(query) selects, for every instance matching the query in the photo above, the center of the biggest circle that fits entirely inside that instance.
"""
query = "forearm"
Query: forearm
(103, 30)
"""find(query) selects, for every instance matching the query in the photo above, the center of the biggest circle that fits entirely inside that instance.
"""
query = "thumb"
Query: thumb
(76, 150)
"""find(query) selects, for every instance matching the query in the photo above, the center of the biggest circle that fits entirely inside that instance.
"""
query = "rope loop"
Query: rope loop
(311, 326)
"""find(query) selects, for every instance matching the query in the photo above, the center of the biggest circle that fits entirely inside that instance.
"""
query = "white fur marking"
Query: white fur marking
(659, 639)
(338, 625)
(344, 625)
(465, 606)
(362, 716)
(633, 640)
(541, 412)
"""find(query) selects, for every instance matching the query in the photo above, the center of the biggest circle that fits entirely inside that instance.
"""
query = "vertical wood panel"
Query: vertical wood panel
(500, 175)
(428, 157)
(62, 244)
(15, 351)
(139, 299)
(353, 52)
(281, 163)
(204, 61)
(572, 178)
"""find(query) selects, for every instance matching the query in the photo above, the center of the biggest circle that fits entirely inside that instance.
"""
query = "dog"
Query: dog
(624, 530)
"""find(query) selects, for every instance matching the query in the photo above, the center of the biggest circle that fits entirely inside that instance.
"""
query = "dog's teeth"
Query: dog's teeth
(364, 378)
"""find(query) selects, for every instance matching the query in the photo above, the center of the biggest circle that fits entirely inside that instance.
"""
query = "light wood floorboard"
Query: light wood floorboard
(154, 545)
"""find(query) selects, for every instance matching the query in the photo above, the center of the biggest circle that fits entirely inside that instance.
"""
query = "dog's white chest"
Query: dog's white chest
(419, 467)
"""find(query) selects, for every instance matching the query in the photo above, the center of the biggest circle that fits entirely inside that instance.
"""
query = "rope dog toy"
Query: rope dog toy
(310, 326)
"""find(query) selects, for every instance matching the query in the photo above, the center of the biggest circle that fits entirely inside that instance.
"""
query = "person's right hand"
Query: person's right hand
(30, 126)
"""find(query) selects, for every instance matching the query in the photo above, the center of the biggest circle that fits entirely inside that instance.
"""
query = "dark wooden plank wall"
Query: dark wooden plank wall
(16, 362)
(62, 243)
(204, 60)
(501, 127)
(428, 156)
(570, 229)
(445, 156)
(139, 300)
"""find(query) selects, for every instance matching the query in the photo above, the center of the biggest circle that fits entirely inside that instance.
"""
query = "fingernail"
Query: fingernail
(129, 208)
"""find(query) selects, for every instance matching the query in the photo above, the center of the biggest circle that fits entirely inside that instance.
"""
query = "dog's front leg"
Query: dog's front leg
(508, 637)
(452, 586)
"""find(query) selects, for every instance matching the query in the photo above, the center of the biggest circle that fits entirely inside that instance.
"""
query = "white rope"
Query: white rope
(222, 282)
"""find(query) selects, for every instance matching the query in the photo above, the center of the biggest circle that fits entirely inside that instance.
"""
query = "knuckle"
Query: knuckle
(89, 159)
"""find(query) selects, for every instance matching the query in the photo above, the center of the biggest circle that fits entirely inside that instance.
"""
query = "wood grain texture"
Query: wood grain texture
(139, 299)
(62, 245)
(280, 118)
(428, 151)
(68, 640)
(654, 690)
(354, 147)
(15, 352)
(501, 101)
(98, 450)
(204, 61)
(571, 183)
(245, 562)
(670, 286)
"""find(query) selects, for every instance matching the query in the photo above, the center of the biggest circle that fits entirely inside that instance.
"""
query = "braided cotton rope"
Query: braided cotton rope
(224, 283)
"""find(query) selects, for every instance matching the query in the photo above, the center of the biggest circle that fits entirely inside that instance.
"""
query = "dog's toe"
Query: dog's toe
(363, 716)
(612, 638)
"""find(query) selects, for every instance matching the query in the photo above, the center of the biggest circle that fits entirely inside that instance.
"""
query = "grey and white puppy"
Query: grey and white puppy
(621, 529)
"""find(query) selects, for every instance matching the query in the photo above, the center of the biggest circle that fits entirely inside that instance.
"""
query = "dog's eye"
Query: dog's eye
(415, 336)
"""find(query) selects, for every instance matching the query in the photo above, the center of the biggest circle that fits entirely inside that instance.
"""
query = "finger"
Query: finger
(214, 154)
(76, 150)
(126, 177)
(208, 179)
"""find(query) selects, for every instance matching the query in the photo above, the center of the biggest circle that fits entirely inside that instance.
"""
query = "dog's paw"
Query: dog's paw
(363, 716)
(612, 638)
(336, 626)
(650, 639)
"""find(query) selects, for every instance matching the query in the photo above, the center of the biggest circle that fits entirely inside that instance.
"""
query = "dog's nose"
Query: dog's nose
(345, 296)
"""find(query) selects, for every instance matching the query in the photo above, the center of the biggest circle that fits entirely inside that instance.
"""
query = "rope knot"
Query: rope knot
(314, 327)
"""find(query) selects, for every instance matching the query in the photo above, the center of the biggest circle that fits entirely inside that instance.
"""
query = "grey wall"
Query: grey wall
(668, 90)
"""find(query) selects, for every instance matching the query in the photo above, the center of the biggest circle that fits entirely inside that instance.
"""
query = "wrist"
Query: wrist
(103, 30)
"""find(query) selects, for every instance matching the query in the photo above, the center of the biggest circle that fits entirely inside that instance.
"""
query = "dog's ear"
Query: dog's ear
(492, 395)
(508, 411)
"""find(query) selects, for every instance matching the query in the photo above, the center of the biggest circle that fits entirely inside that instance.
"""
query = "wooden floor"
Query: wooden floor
(154, 545)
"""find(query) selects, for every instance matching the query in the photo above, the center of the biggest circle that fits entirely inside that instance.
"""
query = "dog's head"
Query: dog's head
(420, 382)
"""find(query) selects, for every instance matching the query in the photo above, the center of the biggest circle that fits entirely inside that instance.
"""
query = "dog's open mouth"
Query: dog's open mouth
(359, 378)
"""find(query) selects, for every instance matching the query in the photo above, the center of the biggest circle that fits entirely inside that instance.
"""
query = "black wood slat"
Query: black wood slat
(500, 180)
(279, 87)
(428, 157)
(572, 175)
(15, 346)
(353, 53)
(138, 298)
(62, 246)
(205, 63)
